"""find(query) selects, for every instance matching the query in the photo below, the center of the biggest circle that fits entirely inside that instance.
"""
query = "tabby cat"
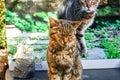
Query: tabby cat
(62, 55)
(75, 10)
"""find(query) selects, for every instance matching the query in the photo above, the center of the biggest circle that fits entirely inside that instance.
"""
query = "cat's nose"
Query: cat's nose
(66, 39)
(88, 9)
(88, 5)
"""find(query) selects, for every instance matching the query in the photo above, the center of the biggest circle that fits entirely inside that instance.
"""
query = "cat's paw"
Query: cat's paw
(84, 52)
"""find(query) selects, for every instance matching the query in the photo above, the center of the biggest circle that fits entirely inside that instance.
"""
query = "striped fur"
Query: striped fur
(62, 55)
(76, 10)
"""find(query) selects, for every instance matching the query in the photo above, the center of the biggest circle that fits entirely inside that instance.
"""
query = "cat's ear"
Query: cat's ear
(53, 22)
(75, 24)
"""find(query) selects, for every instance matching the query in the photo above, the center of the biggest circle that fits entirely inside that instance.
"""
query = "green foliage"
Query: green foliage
(12, 49)
(3, 43)
(40, 49)
(29, 24)
(102, 33)
(118, 24)
(13, 18)
(107, 11)
(43, 58)
(102, 24)
(90, 36)
(105, 36)
(35, 58)
(45, 15)
(111, 47)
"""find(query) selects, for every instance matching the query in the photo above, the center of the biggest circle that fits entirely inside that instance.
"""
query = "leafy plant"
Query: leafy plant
(108, 11)
(45, 15)
(12, 49)
(43, 58)
(90, 36)
(111, 47)
(3, 44)
(40, 49)
(28, 24)
(102, 24)
(13, 18)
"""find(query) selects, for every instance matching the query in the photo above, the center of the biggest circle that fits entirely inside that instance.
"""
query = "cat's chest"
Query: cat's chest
(65, 57)
(88, 23)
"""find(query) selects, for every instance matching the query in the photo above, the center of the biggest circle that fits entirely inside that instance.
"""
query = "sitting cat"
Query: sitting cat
(62, 54)
(76, 10)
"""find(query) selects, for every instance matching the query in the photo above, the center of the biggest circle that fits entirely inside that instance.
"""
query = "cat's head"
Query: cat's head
(63, 31)
(89, 6)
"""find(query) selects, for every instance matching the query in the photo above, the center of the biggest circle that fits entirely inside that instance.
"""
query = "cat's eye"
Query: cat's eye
(52, 33)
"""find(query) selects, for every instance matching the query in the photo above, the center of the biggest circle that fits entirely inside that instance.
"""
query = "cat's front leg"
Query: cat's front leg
(68, 72)
(53, 74)
(55, 77)
(67, 76)
(81, 44)
(77, 70)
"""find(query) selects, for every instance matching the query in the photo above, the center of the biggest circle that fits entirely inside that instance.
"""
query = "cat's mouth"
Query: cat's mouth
(88, 12)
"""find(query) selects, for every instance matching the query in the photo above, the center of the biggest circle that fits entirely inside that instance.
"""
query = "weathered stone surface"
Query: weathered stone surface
(24, 68)
(96, 53)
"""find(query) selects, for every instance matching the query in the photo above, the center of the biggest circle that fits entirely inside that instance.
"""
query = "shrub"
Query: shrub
(12, 49)
(28, 24)
(111, 47)
(3, 43)
(108, 11)
(102, 24)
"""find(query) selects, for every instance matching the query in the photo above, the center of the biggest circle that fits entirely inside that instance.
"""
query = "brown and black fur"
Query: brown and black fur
(75, 10)
(62, 55)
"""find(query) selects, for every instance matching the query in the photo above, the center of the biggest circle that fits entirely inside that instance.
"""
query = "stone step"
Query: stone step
(96, 53)
(32, 42)
(12, 31)
(37, 42)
